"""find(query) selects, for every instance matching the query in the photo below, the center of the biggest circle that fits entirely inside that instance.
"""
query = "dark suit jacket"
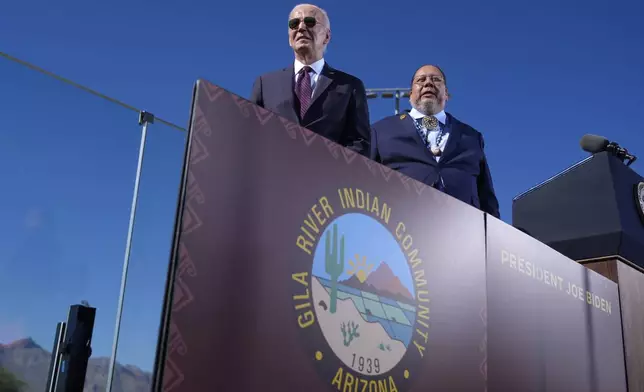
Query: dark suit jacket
(463, 167)
(338, 110)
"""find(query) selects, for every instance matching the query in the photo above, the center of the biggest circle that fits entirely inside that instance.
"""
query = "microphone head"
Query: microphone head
(593, 143)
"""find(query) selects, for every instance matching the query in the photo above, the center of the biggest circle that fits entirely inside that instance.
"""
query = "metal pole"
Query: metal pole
(397, 102)
(395, 93)
(144, 119)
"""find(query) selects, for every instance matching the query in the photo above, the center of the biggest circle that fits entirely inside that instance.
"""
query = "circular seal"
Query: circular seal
(639, 199)
(363, 294)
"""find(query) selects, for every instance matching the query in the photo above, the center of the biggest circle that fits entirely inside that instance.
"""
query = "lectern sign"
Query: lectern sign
(639, 199)
(303, 266)
(363, 303)
(554, 324)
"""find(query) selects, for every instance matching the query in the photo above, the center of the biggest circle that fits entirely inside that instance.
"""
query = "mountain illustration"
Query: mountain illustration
(364, 333)
(382, 282)
(29, 363)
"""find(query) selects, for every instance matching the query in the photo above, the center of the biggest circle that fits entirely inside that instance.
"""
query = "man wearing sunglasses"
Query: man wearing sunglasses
(433, 147)
(311, 93)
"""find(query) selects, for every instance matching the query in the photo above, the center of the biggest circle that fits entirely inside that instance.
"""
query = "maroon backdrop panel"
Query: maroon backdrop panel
(553, 325)
(305, 267)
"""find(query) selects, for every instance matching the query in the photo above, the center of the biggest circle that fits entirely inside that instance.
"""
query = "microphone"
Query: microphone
(595, 144)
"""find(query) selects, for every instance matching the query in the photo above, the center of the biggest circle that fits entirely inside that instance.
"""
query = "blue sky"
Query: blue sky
(532, 76)
(369, 238)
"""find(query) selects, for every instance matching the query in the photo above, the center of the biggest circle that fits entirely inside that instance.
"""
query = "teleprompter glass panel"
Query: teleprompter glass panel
(67, 164)
(151, 245)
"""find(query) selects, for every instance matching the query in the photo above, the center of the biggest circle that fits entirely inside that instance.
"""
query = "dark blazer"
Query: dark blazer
(463, 167)
(338, 110)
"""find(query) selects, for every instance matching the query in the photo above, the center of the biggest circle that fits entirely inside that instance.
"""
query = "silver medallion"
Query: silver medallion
(639, 199)
(430, 122)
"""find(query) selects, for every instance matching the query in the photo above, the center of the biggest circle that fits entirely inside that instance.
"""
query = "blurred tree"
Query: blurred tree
(9, 382)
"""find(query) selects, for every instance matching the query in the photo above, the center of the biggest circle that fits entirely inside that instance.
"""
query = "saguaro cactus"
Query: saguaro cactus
(334, 264)
(349, 332)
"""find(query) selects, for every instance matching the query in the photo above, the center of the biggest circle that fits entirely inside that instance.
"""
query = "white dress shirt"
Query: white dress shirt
(433, 134)
(315, 73)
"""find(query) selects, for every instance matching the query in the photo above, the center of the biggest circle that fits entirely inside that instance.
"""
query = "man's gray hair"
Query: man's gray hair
(327, 21)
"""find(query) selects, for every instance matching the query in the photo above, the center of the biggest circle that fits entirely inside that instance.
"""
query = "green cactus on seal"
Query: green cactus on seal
(334, 264)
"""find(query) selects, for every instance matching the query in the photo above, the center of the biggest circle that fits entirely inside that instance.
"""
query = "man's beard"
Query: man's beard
(427, 107)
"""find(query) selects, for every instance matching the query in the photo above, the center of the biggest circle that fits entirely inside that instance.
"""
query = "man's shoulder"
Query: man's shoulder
(390, 121)
(341, 75)
(466, 128)
(273, 73)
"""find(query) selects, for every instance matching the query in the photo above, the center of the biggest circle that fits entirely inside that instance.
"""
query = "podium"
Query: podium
(593, 212)
(590, 210)
(299, 265)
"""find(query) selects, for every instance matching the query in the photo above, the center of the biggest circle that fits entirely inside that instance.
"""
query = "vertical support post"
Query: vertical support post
(395, 93)
(72, 350)
(56, 353)
(397, 102)
(145, 119)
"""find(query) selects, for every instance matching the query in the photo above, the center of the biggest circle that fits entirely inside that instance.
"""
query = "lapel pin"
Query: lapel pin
(402, 116)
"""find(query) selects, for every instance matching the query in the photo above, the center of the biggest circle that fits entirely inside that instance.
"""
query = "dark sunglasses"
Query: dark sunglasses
(309, 22)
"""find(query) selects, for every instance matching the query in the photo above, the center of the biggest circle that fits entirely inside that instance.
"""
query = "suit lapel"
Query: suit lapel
(324, 81)
(455, 129)
(287, 93)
